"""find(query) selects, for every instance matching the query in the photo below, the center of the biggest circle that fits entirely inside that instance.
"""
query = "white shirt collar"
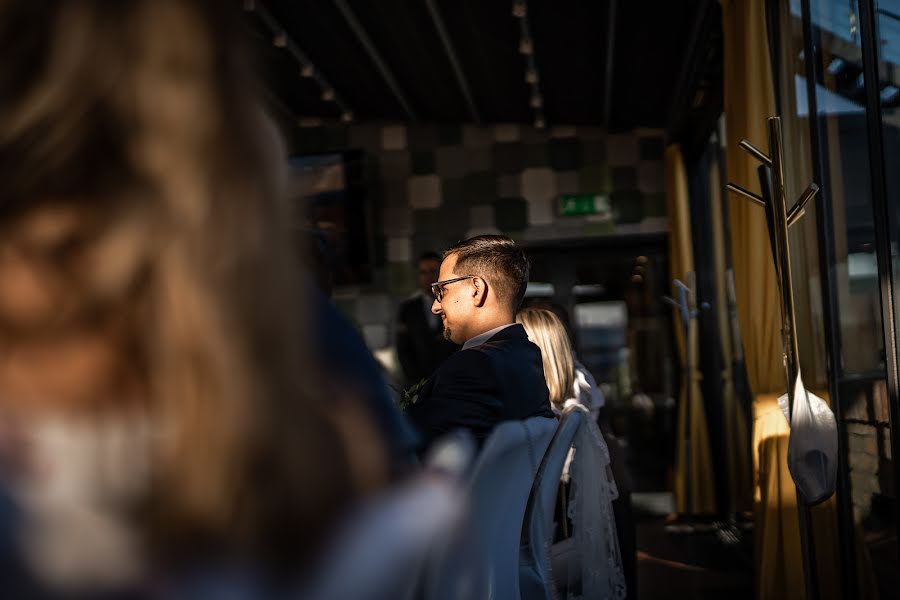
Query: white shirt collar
(483, 337)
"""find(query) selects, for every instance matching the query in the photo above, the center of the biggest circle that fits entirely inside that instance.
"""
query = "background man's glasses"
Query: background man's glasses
(437, 289)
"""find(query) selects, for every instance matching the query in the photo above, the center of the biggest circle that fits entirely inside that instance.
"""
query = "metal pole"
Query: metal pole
(386, 74)
(438, 21)
(789, 337)
(610, 54)
(870, 42)
(684, 298)
(827, 278)
(684, 316)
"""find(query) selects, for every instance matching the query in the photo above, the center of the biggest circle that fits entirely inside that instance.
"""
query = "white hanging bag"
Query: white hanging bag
(813, 445)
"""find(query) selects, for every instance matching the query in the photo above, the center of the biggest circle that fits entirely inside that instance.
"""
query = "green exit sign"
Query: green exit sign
(574, 205)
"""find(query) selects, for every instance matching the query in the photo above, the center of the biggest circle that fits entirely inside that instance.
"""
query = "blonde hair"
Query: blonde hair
(546, 330)
(136, 126)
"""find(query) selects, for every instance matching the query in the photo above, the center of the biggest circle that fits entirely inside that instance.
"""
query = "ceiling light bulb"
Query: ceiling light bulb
(531, 75)
(536, 100)
(280, 40)
(540, 123)
(307, 70)
(328, 94)
(526, 46)
(347, 116)
(519, 9)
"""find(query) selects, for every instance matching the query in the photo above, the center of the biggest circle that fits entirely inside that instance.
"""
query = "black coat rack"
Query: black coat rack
(687, 312)
(780, 219)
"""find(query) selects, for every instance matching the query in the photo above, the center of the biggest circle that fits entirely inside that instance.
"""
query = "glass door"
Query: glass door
(839, 99)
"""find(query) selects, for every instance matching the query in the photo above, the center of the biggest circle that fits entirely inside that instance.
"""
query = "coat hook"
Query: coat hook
(797, 210)
(756, 152)
(746, 193)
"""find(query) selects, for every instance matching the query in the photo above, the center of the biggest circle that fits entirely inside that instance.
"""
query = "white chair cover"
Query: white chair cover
(535, 570)
(591, 494)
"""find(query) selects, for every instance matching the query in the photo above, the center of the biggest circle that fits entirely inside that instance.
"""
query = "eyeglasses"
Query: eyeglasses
(437, 288)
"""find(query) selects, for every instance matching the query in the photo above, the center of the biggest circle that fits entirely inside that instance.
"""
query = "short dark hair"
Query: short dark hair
(498, 260)
(429, 255)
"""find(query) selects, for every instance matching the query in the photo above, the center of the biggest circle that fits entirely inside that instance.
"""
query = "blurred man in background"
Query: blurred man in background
(421, 346)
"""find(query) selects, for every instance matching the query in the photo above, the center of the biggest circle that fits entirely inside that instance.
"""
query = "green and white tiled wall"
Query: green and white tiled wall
(432, 185)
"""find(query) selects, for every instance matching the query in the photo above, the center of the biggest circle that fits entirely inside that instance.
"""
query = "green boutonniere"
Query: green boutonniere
(411, 395)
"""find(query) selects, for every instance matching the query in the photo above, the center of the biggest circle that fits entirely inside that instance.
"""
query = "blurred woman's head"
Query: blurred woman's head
(145, 267)
(546, 330)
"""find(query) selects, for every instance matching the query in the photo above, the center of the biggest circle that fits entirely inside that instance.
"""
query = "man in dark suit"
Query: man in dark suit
(498, 374)
(421, 346)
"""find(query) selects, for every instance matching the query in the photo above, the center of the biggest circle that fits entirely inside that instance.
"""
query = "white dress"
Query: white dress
(75, 493)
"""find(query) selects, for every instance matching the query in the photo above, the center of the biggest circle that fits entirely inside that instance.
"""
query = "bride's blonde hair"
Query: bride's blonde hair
(546, 330)
(141, 200)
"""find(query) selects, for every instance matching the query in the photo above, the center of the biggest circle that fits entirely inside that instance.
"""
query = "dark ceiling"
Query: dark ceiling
(659, 53)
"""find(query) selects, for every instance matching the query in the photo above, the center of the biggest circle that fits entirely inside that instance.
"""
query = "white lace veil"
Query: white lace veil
(591, 493)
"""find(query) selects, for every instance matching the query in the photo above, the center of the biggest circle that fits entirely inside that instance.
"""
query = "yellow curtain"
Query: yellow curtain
(777, 541)
(681, 258)
(749, 100)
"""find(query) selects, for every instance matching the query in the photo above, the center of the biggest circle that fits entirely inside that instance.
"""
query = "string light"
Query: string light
(280, 39)
(526, 46)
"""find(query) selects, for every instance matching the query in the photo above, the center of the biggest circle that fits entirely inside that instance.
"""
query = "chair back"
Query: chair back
(482, 560)
(536, 578)
(382, 551)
